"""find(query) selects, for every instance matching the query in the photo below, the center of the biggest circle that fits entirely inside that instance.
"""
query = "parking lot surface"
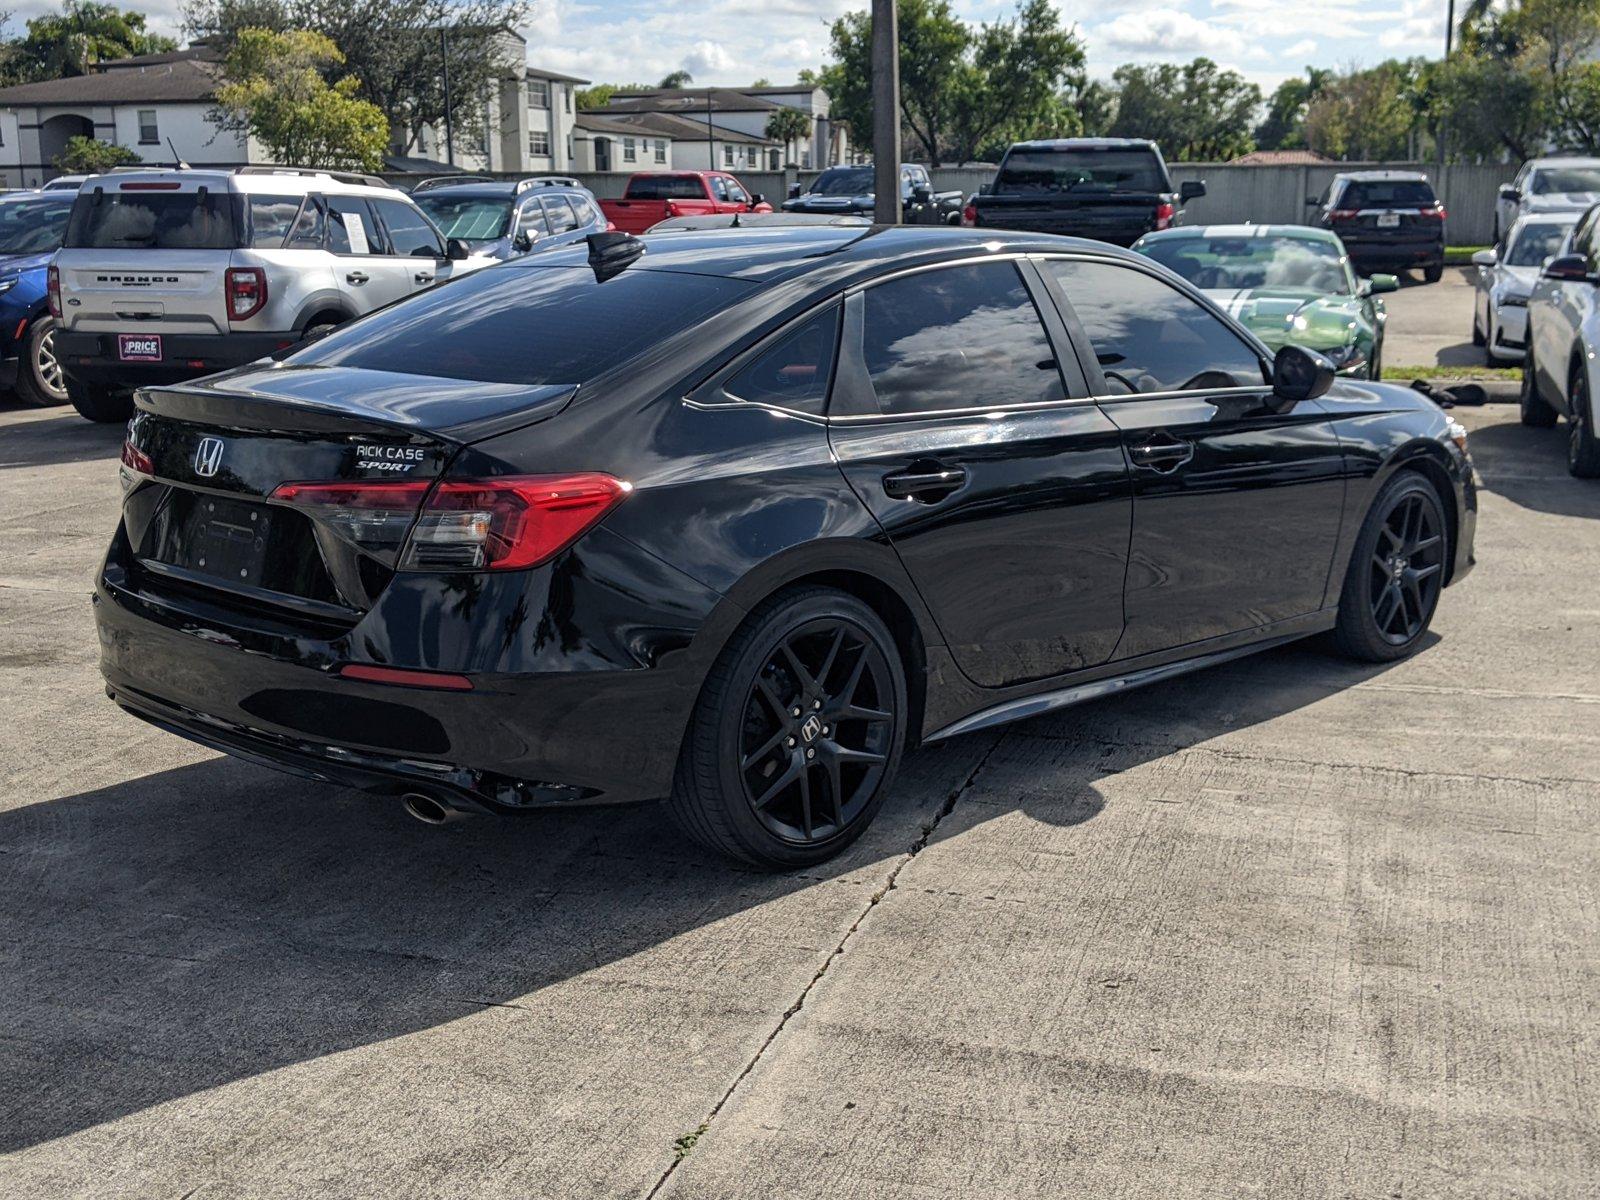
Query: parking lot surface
(1430, 324)
(1286, 927)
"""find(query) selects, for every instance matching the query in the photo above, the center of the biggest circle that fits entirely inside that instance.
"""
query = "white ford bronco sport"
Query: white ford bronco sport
(166, 275)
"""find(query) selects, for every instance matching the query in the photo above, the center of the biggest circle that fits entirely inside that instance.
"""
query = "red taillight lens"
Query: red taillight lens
(969, 215)
(507, 524)
(374, 516)
(400, 677)
(247, 292)
(53, 285)
(1164, 215)
(1436, 213)
(136, 459)
(673, 210)
(1341, 214)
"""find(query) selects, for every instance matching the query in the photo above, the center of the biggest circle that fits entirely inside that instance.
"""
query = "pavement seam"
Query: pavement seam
(916, 848)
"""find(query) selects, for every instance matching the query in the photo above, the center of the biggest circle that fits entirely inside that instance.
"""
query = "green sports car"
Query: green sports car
(1287, 284)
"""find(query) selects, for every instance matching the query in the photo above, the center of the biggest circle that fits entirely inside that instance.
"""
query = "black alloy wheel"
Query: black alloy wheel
(1397, 573)
(1583, 449)
(797, 734)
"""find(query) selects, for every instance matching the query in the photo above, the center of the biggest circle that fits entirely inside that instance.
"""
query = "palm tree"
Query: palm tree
(788, 125)
(678, 79)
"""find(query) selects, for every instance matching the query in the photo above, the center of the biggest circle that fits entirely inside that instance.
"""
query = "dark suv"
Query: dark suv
(1387, 220)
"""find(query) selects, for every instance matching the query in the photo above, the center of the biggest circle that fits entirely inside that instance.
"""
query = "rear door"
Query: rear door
(1237, 498)
(561, 219)
(366, 272)
(1000, 485)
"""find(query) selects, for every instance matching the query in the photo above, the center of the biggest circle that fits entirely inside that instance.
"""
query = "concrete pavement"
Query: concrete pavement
(1430, 324)
(1288, 927)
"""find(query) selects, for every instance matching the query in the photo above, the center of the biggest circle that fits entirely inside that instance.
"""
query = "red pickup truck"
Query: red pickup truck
(654, 196)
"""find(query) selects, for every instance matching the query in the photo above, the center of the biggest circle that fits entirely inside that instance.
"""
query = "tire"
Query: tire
(1396, 572)
(1478, 338)
(40, 382)
(102, 405)
(1534, 409)
(1433, 272)
(1375, 366)
(747, 784)
(1583, 449)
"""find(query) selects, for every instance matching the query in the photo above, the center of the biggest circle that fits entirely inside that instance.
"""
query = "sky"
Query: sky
(737, 41)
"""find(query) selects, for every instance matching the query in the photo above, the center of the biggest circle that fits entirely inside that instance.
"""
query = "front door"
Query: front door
(1237, 498)
(1000, 486)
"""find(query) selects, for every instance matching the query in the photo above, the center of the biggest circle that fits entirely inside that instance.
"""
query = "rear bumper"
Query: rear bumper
(1395, 253)
(92, 357)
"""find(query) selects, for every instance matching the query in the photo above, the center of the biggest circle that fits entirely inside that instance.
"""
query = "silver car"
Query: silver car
(171, 274)
(1547, 185)
(1561, 373)
(1506, 276)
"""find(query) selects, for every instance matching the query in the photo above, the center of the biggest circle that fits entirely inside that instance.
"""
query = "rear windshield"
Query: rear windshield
(33, 226)
(1078, 170)
(667, 187)
(1388, 193)
(154, 221)
(525, 324)
(471, 218)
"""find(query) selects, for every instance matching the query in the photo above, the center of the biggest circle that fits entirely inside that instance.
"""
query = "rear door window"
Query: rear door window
(351, 229)
(309, 227)
(153, 220)
(956, 337)
(271, 219)
(719, 188)
(560, 214)
(666, 187)
(409, 232)
(794, 371)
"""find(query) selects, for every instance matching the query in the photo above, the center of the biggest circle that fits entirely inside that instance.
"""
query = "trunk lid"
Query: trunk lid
(159, 291)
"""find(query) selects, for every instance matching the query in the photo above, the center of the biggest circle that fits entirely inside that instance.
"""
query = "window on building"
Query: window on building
(727, 154)
(566, 96)
(661, 150)
(630, 150)
(149, 135)
(538, 93)
(539, 143)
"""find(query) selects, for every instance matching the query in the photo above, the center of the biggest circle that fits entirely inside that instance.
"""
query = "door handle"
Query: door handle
(423, 276)
(357, 277)
(926, 482)
(1163, 453)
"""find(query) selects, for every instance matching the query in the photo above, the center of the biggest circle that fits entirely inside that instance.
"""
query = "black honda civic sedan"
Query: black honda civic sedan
(735, 518)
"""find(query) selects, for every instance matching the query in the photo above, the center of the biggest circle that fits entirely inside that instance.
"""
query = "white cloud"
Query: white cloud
(707, 58)
(1300, 49)
(1165, 32)
(1420, 26)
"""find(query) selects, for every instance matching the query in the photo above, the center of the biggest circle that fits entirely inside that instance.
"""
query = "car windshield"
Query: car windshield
(1080, 170)
(33, 226)
(470, 218)
(854, 181)
(1535, 243)
(1213, 263)
(1553, 180)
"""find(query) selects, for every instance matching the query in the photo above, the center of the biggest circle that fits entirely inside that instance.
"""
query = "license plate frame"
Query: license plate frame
(140, 347)
(223, 539)
(1388, 220)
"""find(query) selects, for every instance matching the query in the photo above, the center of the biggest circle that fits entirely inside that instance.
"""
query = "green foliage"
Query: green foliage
(676, 79)
(88, 156)
(274, 88)
(82, 34)
(788, 125)
(1198, 112)
(1367, 116)
(1286, 110)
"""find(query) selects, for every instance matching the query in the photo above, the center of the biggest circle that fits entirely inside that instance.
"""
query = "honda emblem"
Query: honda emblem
(208, 457)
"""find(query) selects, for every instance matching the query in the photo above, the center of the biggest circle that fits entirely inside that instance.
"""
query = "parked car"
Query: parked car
(770, 220)
(1547, 185)
(1386, 219)
(653, 196)
(524, 566)
(1505, 280)
(502, 220)
(854, 190)
(169, 275)
(31, 226)
(1559, 370)
(1287, 284)
(1113, 189)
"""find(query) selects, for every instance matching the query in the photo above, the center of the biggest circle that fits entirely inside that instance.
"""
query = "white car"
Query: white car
(1546, 185)
(1561, 373)
(1505, 281)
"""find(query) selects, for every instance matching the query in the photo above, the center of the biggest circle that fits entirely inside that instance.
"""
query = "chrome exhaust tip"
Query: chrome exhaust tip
(430, 810)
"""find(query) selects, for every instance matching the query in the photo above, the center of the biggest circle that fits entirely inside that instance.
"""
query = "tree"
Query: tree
(788, 125)
(1021, 68)
(274, 89)
(1557, 42)
(87, 156)
(676, 79)
(1281, 129)
(1365, 115)
(82, 34)
(1197, 111)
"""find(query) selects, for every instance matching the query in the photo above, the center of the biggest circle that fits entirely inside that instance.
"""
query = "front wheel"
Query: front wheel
(40, 381)
(1396, 572)
(102, 405)
(1583, 449)
(797, 734)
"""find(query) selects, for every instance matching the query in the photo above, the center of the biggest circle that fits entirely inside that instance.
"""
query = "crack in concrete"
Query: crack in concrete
(915, 849)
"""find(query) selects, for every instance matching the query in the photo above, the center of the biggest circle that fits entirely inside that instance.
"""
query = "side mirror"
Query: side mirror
(794, 190)
(1313, 201)
(756, 199)
(1377, 285)
(1507, 192)
(1300, 374)
(1485, 258)
(455, 250)
(524, 240)
(1191, 189)
(1567, 268)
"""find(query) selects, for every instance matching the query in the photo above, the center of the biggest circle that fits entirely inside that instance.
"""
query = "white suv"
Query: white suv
(167, 275)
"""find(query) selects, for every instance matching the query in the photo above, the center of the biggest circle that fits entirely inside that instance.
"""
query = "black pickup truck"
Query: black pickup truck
(851, 191)
(1112, 189)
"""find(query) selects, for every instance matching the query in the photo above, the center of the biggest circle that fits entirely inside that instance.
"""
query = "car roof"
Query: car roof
(503, 191)
(1306, 233)
(1564, 160)
(1570, 217)
(260, 180)
(1382, 176)
(1085, 143)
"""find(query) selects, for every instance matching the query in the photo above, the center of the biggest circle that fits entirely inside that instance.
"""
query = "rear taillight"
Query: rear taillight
(673, 210)
(53, 285)
(463, 525)
(1342, 214)
(1164, 214)
(136, 459)
(969, 215)
(247, 292)
(1436, 213)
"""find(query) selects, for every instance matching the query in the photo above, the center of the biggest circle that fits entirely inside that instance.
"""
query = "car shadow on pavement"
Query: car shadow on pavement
(214, 922)
(1529, 468)
(55, 435)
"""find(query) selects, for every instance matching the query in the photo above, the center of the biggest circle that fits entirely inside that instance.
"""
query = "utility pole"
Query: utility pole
(449, 132)
(711, 142)
(885, 113)
(1449, 44)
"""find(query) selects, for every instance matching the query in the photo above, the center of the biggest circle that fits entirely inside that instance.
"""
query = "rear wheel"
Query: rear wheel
(1396, 572)
(1433, 272)
(797, 734)
(1534, 410)
(100, 404)
(40, 381)
(1583, 450)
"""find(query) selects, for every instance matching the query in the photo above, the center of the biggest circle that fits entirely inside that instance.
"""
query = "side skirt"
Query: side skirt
(1128, 676)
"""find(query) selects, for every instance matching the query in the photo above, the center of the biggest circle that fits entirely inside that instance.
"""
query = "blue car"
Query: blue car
(31, 228)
